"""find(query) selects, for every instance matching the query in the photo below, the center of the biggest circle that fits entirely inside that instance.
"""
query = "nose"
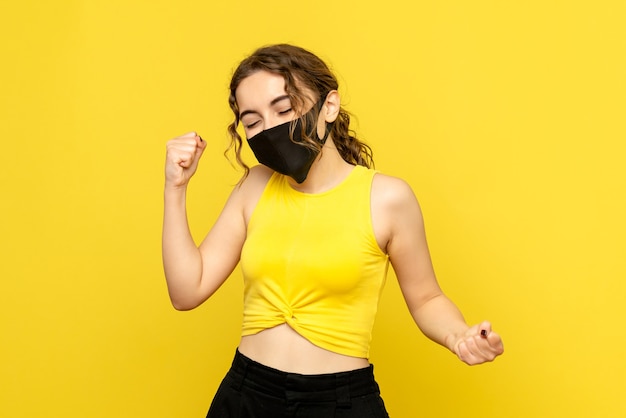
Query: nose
(272, 121)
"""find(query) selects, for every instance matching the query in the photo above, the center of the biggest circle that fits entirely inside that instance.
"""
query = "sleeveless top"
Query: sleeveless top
(312, 261)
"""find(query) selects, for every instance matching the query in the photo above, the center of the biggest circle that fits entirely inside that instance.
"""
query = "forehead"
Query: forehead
(259, 89)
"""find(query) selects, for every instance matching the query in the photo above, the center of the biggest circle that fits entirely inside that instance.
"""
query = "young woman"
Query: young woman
(314, 228)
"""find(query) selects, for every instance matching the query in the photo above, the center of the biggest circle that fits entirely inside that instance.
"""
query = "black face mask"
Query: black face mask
(274, 148)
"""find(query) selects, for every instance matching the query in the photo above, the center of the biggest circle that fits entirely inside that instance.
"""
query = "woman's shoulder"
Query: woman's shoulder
(259, 174)
(391, 190)
(257, 177)
(249, 191)
(394, 207)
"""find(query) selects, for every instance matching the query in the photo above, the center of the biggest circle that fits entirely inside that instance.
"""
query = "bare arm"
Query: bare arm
(433, 312)
(194, 273)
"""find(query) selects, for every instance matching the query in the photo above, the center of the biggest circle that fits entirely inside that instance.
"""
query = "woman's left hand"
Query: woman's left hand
(479, 344)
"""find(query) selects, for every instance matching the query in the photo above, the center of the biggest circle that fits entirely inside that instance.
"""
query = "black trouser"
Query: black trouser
(252, 390)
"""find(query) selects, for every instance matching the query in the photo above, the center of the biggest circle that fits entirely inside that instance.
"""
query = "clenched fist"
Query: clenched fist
(181, 161)
(479, 345)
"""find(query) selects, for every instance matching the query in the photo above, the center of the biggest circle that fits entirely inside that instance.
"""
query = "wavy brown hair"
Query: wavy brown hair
(300, 69)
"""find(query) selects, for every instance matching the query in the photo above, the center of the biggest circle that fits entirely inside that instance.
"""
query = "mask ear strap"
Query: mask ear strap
(328, 126)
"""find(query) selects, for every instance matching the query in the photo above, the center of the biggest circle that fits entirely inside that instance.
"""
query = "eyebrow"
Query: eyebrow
(272, 103)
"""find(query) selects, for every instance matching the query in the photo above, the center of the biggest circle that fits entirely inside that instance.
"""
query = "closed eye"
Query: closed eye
(286, 111)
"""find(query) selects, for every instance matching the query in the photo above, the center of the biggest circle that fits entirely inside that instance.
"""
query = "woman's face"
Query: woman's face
(263, 102)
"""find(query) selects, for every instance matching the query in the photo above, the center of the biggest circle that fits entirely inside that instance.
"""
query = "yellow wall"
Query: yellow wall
(506, 117)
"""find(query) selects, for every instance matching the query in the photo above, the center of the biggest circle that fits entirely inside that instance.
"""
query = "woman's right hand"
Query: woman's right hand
(181, 161)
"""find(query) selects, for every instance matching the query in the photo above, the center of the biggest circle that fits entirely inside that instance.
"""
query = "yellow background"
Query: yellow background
(506, 117)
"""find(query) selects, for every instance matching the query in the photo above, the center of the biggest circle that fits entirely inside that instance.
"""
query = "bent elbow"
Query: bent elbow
(182, 307)
(181, 304)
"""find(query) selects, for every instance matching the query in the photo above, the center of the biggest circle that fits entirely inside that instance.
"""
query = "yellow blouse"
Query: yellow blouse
(312, 261)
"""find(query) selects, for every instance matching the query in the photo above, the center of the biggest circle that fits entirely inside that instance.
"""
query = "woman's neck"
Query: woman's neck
(328, 170)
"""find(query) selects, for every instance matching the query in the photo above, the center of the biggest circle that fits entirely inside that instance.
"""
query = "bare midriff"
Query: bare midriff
(284, 349)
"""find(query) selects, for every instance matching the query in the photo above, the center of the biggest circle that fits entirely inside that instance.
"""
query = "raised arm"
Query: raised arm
(194, 273)
(401, 224)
